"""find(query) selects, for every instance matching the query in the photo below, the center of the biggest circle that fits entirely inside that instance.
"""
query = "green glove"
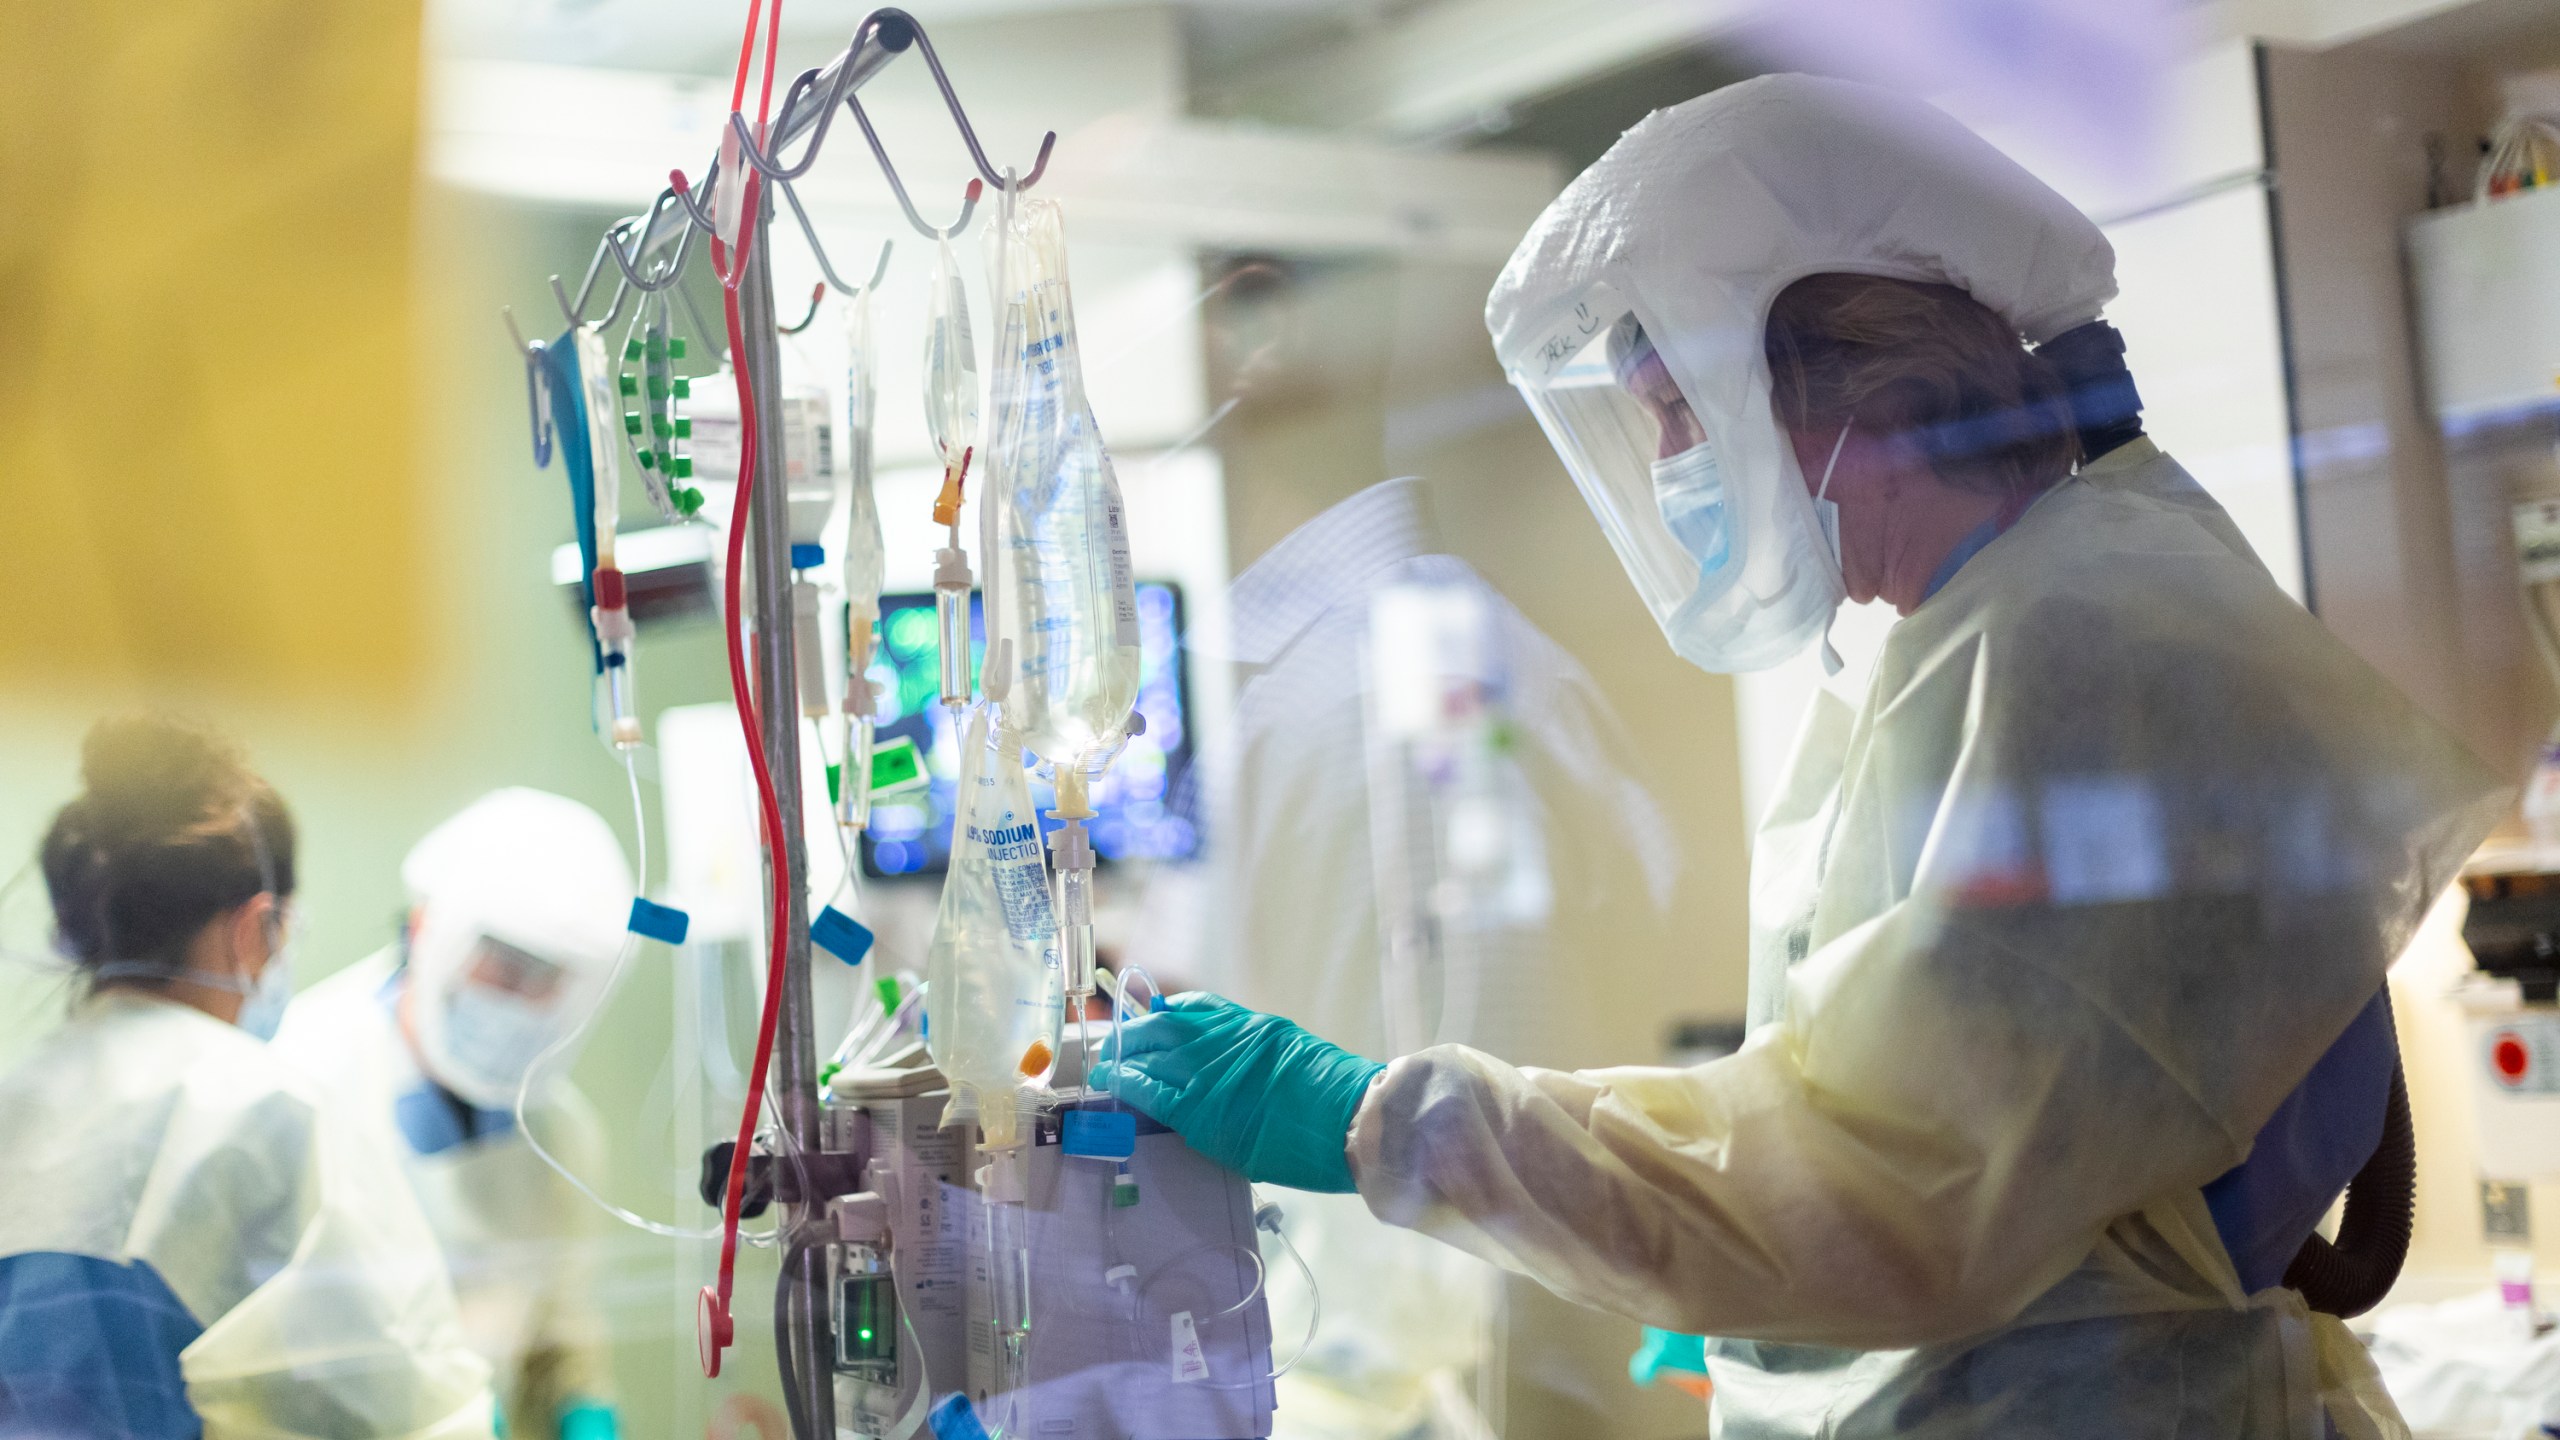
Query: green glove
(1667, 1350)
(590, 1420)
(1250, 1091)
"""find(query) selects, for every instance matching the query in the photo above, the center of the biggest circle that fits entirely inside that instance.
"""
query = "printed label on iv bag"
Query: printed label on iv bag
(1189, 1365)
(1124, 590)
(1022, 883)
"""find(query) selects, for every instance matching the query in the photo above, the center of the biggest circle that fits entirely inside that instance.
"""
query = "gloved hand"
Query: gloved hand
(586, 1419)
(1251, 1091)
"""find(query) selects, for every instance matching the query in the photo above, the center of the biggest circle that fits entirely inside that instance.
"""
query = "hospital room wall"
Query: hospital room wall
(2407, 536)
(1376, 368)
(1405, 384)
(2409, 553)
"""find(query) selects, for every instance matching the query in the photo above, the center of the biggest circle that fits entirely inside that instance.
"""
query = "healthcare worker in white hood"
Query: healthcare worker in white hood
(2068, 942)
(517, 906)
(189, 1245)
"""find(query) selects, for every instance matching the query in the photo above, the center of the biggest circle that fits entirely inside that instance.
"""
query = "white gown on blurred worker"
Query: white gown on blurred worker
(191, 1244)
(1435, 944)
(518, 910)
(2117, 848)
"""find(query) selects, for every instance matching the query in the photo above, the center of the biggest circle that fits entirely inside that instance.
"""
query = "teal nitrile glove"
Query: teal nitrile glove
(1251, 1091)
(1667, 1350)
(590, 1420)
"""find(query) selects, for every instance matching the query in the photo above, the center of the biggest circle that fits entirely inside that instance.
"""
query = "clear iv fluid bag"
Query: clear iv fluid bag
(604, 437)
(1072, 608)
(950, 360)
(865, 563)
(992, 1001)
(865, 556)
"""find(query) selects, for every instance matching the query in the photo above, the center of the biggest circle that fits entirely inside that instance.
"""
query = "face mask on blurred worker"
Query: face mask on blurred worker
(520, 903)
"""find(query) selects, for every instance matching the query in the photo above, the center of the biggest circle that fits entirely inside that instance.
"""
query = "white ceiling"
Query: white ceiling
(695, 37)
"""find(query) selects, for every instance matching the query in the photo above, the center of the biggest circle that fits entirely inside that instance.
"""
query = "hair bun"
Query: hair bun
(171, 828)
(151, 774)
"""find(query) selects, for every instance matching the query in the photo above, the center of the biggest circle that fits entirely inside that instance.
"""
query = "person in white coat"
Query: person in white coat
(517, 909)
(189, 1244)
(2068, 942)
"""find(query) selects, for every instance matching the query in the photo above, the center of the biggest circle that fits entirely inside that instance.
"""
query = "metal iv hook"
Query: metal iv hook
(668, 273)
(809, 233)
(772, 167)
(537, 387)
(959, 117)
(575, 311)
(878, 24)
(897, 187)
(817, 293)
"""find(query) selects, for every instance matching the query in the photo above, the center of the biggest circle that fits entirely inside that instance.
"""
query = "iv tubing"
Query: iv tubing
(612, 985)
(730, 272)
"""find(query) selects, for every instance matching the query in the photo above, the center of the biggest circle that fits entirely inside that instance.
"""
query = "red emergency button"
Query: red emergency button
(2509, 1057)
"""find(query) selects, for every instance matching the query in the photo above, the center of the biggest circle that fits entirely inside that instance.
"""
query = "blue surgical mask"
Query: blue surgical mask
(491, 1038)
(263, 1011)
(262, 1002)
(1689, 491)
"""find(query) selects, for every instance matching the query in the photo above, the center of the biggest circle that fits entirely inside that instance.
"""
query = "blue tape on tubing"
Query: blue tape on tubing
(840, 935)
(1154, 1003)
(955, 1419)
(1099, 1134)
(653, 921)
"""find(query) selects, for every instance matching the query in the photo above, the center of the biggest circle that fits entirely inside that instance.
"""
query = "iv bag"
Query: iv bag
(604, 445)
(950, 362)
(1062, 534)
(992, 999)
(865, 557)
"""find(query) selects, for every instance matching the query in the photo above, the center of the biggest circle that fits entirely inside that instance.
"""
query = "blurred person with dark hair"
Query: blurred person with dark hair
(187, 1245)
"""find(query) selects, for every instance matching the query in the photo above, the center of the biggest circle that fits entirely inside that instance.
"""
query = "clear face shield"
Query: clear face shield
(1641, 457)
(1738, 576)
(489, 1012)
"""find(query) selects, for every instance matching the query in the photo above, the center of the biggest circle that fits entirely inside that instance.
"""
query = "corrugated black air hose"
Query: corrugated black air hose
(2350, 1275)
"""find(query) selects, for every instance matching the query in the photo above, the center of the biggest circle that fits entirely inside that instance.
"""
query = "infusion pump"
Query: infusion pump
(1120, 1299)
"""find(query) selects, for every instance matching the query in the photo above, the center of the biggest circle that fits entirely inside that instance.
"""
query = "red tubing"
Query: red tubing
(714, 1315)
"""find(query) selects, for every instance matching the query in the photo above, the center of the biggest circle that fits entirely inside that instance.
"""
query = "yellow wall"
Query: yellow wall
(206, 382)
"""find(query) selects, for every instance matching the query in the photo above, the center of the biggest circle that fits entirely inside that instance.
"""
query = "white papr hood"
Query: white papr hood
(1702, 213)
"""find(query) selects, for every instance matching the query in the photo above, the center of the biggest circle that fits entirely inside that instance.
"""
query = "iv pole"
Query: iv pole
(804, 1175)
(778, 713)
